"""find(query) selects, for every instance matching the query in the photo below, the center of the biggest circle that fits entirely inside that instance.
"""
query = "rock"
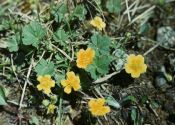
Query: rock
(166, 35)
(161, 82)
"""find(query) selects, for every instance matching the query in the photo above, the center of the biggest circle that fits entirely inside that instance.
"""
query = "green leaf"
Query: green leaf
(44, 68)
(113, 6)
(100, 44)
(2, 96)
(134, 115)
(33, 33)
(34, 120)
(13, 42)
(144, 28)
(61, 36)
(130, 98)
(112, 102)
(92, 70)
(80, 12)
(59, 12)
(58, 78)
(100, 66)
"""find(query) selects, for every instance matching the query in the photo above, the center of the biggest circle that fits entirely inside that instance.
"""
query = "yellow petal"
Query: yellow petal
(135, 74)
(98, 19)
(76, 83)
(76, 87)
(101, 101)
(144, 67)
(68, 89)
(70, 75)
(93, 23)
(105, 109)
(64, 83)
(130, 57)
(128, 68)
(47, 91)
(39, 78)
(140, 58)
(39, 87)
(91, 103)
(103, 25)
(52, 83)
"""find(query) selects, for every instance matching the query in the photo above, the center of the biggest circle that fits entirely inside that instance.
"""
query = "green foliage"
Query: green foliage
(144, 28)
(112, 102)
(134, 115)
(100, 66)
(34, 120)
(59, 12)
(44, 68)
(130, 98)
(58, 77)
(61, 36)
(33, 33)
(2, 96)
(79, 12)
(113, 6)
(13, 42)
(100, 44)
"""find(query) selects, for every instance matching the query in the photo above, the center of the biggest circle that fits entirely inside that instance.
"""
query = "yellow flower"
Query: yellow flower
(97, 108)
(51, 108)
(98, 23)
(85, 57)
(45, 84)
(72, 81)
(135, 65)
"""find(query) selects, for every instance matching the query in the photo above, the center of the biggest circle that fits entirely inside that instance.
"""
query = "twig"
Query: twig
(64, 53)
(152, 48)
(14, 71)
(25, 84)
(105, 77)
(72, 52)
(15, 103)
(129, 17)
(147, 12)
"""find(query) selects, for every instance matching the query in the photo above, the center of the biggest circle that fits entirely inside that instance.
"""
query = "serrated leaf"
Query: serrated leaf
(33, 33)
(59, 12)
(45, 68)
(100, 66)
(61, 36)
(100, 44)
(80, 12)
(13, 42)
(92, 70)
(113, 6)
(2, 96)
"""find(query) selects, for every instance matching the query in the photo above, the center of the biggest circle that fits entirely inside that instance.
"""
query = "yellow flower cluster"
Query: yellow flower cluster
(97, 107)
(72, 81)
(98, 23)
(46, 83)
(85, 57)
(135, 65)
